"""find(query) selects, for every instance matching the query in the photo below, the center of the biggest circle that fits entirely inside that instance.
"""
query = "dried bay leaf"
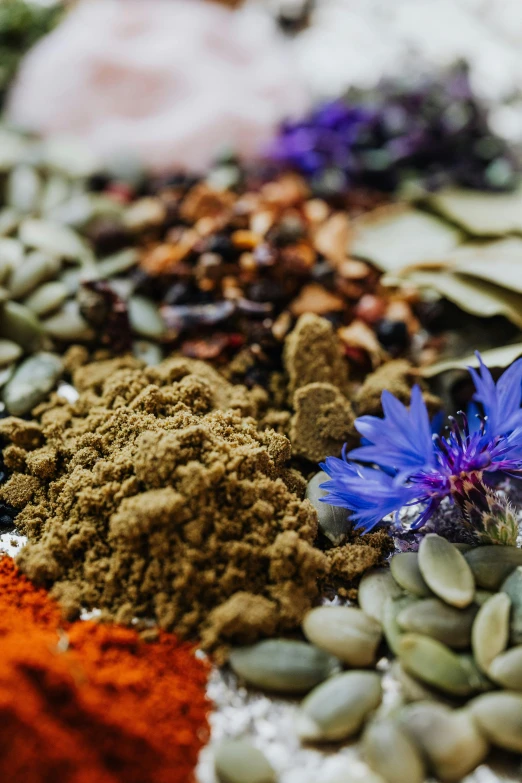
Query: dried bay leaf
(482, 214)
(398, 236)
(472, 295)
(496, 357)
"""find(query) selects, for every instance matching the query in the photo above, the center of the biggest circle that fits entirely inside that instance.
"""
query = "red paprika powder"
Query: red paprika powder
(93, 703)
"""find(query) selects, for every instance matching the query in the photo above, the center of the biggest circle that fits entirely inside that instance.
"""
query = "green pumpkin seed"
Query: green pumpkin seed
(55, 192)
(282, 665)
(358, 775)
(11, 254)
(75, 212)
(19, 324)
(446, 571)
(237, 761)
(116, 264)
(68, 325)
(499, 717)
(412, 689)
(9, 352)
(432, 617)
(406, 572)
(490, 632)
(32, 382)
(70, 157)
(389, 750)
(36, 268)
(513, 587)
(144, 213)
(55, 239)
(47, 298)
(450, 739)
(9, 220)
(145, 318)
(23, 189)
(506, 669)
(374, 588)
(150, 353)
(391, 610)
(345, 632)
(333, 520)
(481, 596)
(435, 664)
(491, 564)
(337, 709)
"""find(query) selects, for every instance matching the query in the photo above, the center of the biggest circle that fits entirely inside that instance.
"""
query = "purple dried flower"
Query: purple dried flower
(434, 130)
(411, 466)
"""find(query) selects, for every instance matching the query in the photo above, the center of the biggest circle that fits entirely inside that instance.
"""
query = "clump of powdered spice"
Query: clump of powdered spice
(155, 496)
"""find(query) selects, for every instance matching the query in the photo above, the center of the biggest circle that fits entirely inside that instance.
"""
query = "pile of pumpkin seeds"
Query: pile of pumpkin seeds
(46, 209)
(451, 616)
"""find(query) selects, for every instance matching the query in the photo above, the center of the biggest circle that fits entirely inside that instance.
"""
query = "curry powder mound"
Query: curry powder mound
(155, 496)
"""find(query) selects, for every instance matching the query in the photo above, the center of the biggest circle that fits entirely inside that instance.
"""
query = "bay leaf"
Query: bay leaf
(472, 295)
(395, 237)
(496, 357)
(481, 214)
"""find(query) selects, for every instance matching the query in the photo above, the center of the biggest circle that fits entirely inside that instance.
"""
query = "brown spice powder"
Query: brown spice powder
(155, 495)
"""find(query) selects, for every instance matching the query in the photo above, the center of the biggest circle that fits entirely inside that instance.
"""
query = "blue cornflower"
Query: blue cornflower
(407, 464)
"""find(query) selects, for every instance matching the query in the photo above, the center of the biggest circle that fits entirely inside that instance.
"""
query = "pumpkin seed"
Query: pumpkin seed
(75, 212)
(446, 571)
(237, 761)
(333, 520)
(432, 617)
(406, 572)
(36, 268)
(47, 298)
(70, 157)
(338, 708)
(55, 192)
(68, 324)
(491, 564)
(150, 353)
(450, 739)
(481, 596)
(490, 632)
(282, 665)
(9, 220)
(358, 775)
(23, 188)
(32, 382)
(144, 213)
(499, 717)
(389, 750)
(374, 588)
(344, 631)
(513, 587)
(116, 264)
(391, 610)
(411, 689)
(145, 318)
(435, 664)
(9, 352)
(11, 253)
(506, 669)
(55, 239)
(19, 324)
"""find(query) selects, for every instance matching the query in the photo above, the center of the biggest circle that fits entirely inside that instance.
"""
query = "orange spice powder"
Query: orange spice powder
(93, 703)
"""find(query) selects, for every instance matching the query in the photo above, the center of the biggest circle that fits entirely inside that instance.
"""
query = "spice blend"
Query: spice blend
(91, 703)
(156, 496)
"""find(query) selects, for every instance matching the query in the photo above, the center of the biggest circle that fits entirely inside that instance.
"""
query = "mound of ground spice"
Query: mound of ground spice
(156, 496)
(90, 703)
